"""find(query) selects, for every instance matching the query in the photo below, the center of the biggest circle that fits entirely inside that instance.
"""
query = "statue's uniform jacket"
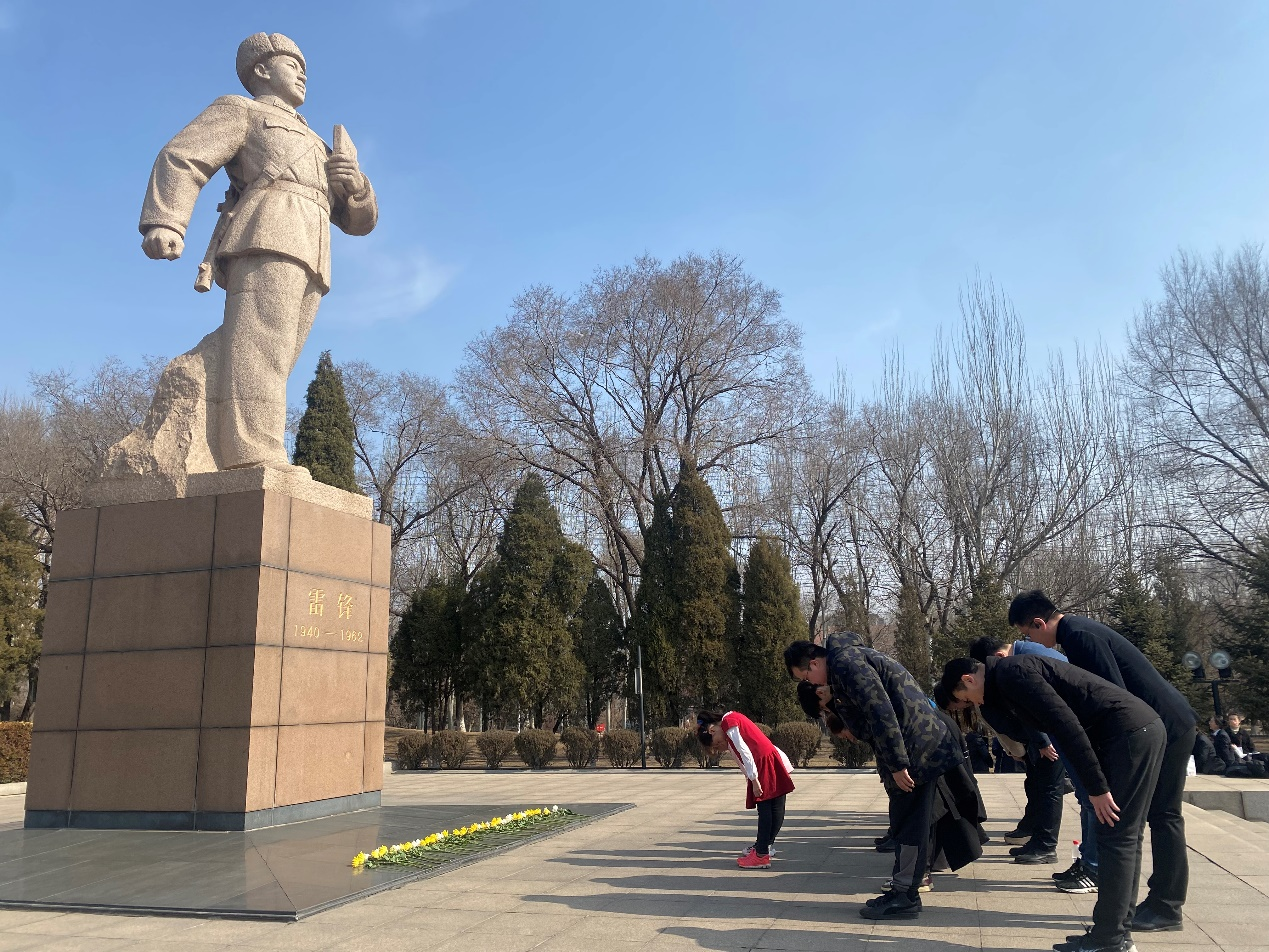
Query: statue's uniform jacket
(273, 260)
(289, 216)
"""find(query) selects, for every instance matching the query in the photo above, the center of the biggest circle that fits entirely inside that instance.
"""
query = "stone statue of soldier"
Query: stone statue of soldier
(223, 405)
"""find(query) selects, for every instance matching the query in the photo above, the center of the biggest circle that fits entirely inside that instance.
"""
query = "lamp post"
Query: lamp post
(1222, 662)
(643, 739)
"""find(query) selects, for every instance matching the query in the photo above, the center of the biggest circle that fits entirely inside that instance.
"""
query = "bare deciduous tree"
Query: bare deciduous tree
(646, 365)
(1198, 362)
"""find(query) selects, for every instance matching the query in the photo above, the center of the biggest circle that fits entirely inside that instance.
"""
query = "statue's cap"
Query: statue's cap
(258, 47)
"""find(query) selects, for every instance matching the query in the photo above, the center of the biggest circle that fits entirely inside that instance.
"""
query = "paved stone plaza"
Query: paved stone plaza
(663, 876)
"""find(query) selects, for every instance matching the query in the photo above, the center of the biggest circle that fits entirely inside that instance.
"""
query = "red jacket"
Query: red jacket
(760, 759)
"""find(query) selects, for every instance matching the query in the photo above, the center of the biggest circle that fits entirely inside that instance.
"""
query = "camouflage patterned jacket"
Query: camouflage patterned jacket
(882, 705)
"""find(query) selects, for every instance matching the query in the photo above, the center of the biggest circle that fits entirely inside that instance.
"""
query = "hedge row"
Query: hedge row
(15, 750)
(668, 746)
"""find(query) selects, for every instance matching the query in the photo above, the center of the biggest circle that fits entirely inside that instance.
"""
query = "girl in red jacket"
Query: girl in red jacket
(766, 769)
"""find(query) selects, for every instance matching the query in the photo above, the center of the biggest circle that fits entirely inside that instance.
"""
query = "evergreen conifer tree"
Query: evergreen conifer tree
(1248, 634)
(20, 615)
(654, 621)
(599, 648)
(535, 591)
(427, 652)
(1183, 625)
(324, 440)
(986, 613)
(704, 577)
(851, 615)
(1137, 615)
(911, 636)
(772, 619)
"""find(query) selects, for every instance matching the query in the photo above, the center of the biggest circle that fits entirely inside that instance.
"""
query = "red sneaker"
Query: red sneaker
(754, 860)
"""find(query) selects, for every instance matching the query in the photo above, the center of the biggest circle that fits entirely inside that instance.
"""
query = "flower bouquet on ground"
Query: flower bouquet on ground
(437, 848)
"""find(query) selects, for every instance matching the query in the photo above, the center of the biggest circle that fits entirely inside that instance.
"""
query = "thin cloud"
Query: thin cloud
(371, 287)
(880, 327)
(417, 12)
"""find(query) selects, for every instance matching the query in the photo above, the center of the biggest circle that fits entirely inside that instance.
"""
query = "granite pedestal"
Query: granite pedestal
(211, 663)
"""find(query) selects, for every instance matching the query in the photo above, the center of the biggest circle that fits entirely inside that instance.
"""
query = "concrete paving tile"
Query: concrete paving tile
(569, 943)
(1231, 933)
(21, 942)
(81, 943)
(480, 942)
(11, 918)
(802, 940)
(72, 923)
(524, 923)
(231, 931)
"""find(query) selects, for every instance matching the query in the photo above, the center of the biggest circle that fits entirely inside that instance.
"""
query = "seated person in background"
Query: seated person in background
(1221, 741)
(1238, 734)
(1206, 760)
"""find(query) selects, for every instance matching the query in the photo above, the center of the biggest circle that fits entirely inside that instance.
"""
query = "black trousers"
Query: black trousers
(1170, 880)
(910, 815)
(1131, 764)
(770, 819)
(1043, 815)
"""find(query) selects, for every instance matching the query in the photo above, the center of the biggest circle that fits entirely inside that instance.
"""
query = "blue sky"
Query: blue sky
(863, 158)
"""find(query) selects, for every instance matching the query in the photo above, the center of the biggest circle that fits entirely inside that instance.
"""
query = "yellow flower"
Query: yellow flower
(359, 860)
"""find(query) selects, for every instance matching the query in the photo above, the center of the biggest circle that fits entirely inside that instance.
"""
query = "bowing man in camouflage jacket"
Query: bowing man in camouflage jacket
(881, 704)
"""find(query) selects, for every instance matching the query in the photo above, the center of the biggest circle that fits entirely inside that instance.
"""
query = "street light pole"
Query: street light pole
(643, 738)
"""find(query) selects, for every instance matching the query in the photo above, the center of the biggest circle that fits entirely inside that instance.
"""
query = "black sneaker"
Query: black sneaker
(1074, 871)
(887, 846)
(892, 905)
(1082, 943)
(1084, 883)
(878, 840)
(1017, 837)
(1035, 857)
(1146, 919)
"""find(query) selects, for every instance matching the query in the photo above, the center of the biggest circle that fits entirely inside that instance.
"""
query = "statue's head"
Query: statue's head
(271, 64)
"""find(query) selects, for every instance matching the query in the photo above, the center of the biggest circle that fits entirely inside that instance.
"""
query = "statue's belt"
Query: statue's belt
(315, 195)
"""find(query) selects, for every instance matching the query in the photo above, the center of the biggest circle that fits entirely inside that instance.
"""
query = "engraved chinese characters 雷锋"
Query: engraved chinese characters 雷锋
(222, 405)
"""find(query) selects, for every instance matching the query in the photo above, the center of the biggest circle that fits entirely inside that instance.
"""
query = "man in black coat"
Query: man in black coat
(1238, 734)
(881, 704)
(1113, 740)
(1109, 655)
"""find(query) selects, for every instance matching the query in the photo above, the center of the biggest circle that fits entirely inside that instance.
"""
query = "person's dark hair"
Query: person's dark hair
(809, 698)
(981, 648)
(801, 653)
(1028, 605)
(942, 696)
(703, 720)
(834, 723)
(954, 670)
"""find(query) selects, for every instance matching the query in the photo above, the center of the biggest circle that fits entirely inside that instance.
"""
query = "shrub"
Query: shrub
(536, 747)
(495, 746)
(449, 748)
(15, 750)
(851, 753)
(621, 747)
(667, 745)
(581, 746)
(414, 749)
(766, 731)
(798, 739)
(692, 750)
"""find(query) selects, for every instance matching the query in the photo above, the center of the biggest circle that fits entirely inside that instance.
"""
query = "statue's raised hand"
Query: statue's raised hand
(344, 173)
(162, 242)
